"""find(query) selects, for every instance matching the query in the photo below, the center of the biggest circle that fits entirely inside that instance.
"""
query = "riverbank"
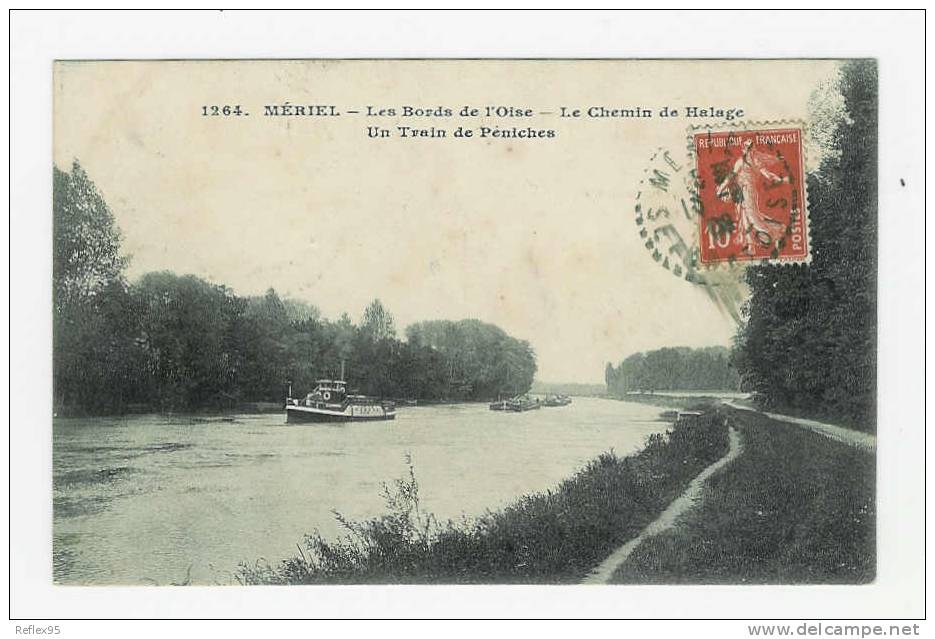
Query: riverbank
(684, 402)
(552, 537)
(669, 517)
(796, 507)
(792, 506)
(242, 408)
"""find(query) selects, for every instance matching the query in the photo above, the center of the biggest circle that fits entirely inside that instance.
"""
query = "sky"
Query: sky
(535, 235)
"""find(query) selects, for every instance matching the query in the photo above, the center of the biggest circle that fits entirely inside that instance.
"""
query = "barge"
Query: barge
(552, 401)
(517, 404)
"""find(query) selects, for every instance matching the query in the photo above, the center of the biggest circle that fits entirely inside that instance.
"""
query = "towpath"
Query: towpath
(603, 573)
(865, 441)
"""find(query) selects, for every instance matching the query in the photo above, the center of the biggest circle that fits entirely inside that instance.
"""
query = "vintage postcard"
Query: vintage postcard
(464, 322)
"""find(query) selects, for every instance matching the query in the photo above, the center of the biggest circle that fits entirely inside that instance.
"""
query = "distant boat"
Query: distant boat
(517, 403)
(552, 401)
(500, 404)
(522, 403)
(330, 402)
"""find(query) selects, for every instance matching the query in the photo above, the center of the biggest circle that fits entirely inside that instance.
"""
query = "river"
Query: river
(161, 500)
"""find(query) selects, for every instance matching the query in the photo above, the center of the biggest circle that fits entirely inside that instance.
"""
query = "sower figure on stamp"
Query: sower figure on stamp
(740, 187)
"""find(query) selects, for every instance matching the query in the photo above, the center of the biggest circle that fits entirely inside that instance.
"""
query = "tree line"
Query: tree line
(678, 368)
(808, 341)
(178, 342)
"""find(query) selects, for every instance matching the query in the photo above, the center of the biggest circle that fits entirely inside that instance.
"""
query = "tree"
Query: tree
(190, 331)
(610, 375)
(94, 356)
(808, 342)
(377, 322)
(264, 339)
(679, 368)
(476, 360)
(85, 239)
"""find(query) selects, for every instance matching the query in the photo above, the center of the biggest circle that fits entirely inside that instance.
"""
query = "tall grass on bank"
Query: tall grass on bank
(796, 507)
(551, 537)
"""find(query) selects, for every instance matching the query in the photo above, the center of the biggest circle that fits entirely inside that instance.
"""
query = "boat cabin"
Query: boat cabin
(328, 392)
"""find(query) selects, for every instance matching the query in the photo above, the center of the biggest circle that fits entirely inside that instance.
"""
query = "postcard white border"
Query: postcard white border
(894, 38)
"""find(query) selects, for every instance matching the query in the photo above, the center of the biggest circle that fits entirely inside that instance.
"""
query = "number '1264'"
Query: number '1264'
(226, 109)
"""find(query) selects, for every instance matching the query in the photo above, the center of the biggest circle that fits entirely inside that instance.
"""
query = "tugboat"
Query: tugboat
(330, 402)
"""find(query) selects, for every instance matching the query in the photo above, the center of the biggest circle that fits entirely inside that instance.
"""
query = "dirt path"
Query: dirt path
(603, 573)
(865, 441)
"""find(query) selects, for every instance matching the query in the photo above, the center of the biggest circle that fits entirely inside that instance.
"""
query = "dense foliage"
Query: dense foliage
(168, 342)
(809, 339)
(678, 368)
(479, 359)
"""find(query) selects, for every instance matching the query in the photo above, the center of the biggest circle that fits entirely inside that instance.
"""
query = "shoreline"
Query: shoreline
(552, 537)
(757, 514)
(684, 503)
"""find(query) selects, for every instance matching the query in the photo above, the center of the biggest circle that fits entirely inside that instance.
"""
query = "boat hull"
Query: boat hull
(518, 407)
(307, 415)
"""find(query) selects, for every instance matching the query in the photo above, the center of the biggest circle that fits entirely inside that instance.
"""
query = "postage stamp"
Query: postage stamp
(751, 195)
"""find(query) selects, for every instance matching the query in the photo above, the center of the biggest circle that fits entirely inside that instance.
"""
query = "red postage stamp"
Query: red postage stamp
(751, 195)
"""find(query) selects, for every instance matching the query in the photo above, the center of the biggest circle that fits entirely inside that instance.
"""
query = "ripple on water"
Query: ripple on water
(64, 555)
(68, 507)
(166, 447)
(91, 476)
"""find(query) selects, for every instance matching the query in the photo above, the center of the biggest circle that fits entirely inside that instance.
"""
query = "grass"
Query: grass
(551, 537)
(795, 507)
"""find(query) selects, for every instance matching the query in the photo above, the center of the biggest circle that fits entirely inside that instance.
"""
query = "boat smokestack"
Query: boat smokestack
(342, 369)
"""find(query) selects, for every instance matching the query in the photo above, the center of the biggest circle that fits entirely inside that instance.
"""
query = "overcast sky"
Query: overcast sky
(536, 236)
